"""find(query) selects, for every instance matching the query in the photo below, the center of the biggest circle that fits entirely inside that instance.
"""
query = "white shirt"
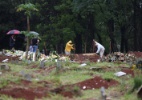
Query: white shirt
(100, 47)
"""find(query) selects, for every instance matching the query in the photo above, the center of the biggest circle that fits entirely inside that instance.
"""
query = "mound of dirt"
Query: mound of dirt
(93, 83)
(92, 57)
(128, 71)
(137, 54)
(24, 90)
(96, 82)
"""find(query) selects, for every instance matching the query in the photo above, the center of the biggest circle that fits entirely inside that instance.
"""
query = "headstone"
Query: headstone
(1, 53)
(4, 67)
(139, 93)
(42, 64)
(103, 94)
(22, 73)
(59, 65)
(139, 64)
(29, 61)
(27, 77)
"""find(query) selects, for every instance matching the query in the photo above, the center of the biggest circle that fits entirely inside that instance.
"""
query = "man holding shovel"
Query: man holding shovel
(69, 47)
(100, 48)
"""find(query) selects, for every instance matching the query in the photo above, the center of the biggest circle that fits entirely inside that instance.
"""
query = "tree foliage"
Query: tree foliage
(111, 22)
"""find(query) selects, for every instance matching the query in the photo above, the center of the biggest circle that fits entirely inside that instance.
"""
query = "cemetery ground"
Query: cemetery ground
(81, 78)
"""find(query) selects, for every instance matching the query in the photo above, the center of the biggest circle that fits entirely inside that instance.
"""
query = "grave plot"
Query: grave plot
(28, 89)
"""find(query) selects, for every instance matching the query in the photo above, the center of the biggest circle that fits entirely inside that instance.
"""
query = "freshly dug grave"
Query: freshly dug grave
(93, 83)
(26, 89)
(137, 54)
(128, 71)
(91, 57)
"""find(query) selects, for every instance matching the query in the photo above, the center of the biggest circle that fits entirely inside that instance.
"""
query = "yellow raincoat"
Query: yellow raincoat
(69, 46)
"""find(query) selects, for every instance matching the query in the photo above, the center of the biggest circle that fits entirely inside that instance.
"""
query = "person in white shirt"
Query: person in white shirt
(100, 48)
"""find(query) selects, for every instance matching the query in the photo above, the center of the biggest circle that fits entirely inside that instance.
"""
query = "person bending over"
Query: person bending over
(100, 49)
(68, 48)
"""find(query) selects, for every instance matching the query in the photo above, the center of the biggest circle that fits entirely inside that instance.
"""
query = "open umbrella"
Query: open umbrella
(34, 33)
(13, 32)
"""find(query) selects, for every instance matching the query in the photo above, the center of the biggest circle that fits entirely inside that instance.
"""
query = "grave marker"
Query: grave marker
(42, 64)
(103, 94)
(4, 67)
(28, 77)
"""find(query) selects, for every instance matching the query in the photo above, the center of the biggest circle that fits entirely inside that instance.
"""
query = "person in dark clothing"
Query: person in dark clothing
(35, 42)
(12, 42)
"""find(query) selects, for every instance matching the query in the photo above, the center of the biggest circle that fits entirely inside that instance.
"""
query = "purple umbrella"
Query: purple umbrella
(13, 32)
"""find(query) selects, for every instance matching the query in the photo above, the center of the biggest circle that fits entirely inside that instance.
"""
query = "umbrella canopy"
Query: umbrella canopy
(13, 32)
(34, 33)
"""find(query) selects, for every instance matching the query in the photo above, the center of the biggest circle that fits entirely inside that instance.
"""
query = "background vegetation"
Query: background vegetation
(114, 23)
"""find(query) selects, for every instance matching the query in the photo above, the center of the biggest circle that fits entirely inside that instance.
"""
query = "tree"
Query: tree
(28, 8)
(85, 13)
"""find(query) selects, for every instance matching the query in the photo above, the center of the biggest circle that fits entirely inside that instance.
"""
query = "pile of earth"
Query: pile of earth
(91, 57)
(137, 54)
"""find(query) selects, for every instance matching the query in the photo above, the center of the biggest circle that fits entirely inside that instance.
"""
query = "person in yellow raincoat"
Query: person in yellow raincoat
(69, 47)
